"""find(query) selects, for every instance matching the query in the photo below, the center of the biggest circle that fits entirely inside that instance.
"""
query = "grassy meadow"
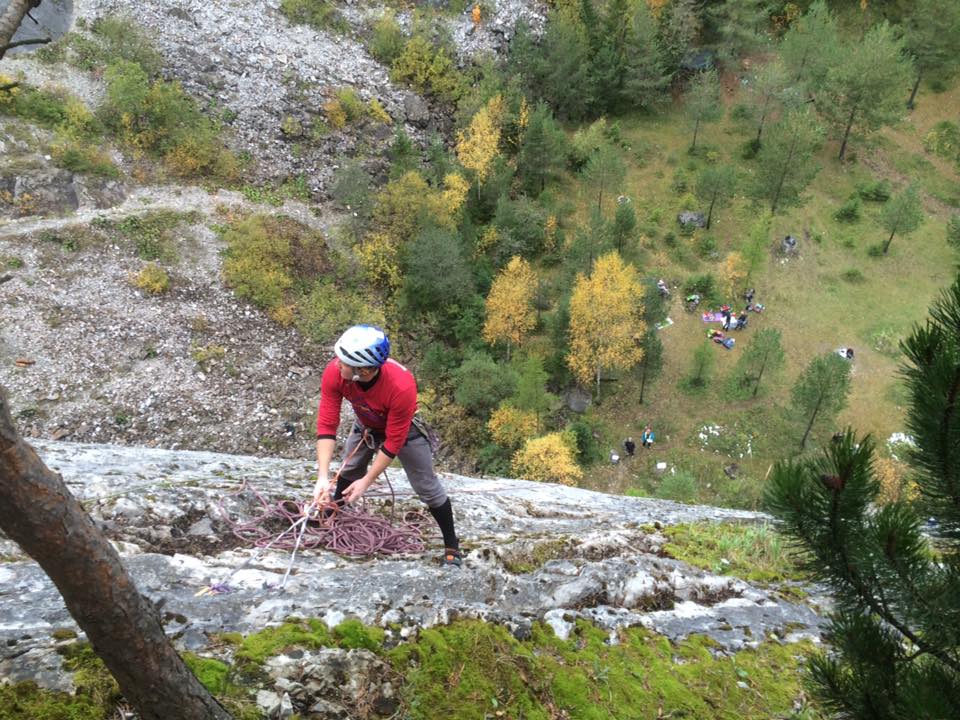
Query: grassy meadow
(830, 294)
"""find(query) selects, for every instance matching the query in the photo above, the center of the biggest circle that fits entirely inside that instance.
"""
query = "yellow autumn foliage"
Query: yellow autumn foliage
(380, 259)
(486, 240)
(6, 96)
(455, 189)
(892, 476)
(550, 229)
(734, 275)
(510, 312)
(404, 201)
(606, 319)
(510, 427)
(657, 6)
(550, 458)
(479, 146)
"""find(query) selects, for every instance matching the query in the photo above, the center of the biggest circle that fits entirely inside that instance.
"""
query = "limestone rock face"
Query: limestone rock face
(604, 564)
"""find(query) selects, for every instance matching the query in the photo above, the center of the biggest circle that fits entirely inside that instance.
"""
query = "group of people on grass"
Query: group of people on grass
(731, 320)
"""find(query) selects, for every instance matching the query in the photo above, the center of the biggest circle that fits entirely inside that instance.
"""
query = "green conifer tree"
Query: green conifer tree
(821, 392)
(895, 635)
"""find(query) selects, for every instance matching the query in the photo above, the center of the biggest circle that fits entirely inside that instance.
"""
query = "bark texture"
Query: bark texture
(38, 512)
(10, 20)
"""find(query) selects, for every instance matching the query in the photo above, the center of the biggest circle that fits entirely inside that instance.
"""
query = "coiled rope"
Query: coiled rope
(350, 531)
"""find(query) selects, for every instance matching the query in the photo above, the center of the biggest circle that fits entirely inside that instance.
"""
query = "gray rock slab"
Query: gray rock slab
(610, 571)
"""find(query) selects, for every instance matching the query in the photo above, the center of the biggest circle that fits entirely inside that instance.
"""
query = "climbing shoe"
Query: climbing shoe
(451, 557)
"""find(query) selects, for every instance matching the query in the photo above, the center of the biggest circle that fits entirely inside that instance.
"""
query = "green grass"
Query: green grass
(754, 552)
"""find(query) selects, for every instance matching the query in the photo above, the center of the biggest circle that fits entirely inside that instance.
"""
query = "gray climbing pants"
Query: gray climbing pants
(416, 457)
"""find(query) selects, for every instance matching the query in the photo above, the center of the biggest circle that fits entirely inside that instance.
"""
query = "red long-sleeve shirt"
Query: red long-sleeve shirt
(387, 406)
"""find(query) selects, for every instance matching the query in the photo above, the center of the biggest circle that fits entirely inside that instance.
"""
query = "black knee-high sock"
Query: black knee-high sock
(444, 517)
(342, 484)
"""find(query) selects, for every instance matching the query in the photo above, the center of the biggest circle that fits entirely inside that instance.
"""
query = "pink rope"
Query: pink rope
(347, 531)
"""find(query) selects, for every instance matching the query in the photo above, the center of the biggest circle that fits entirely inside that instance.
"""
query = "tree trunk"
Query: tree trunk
(886, 245)
(710, 211)
(846, 135)
(696, 129)
(10, 20)
(803, 441)
(598, 382)
(913, 93)
(783, 175)
(38, 512)
(756, 386)
(763, 117)
(643, 382)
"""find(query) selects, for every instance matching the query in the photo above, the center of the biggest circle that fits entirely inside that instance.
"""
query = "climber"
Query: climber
(383, 394)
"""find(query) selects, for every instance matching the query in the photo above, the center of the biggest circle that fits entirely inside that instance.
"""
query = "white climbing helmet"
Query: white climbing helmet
(363, 346)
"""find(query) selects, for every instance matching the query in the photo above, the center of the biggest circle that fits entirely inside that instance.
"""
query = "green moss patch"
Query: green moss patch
(272, 641)
(25, 701)
(473, 670)
(536, 557)
(751, 552)
(354, 635)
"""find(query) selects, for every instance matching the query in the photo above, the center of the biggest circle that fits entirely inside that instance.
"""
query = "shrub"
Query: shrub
(351, 103)
(153, 279)
(266, 256)
(741, 112)
(152, 233)
(428, 69)
(849, 212)
(160, 118)
(680, 184)
(875, 250)
(510, 427)
(120, 38)
(84, 158)
(42, 107)
(944, 140)
(678, 486)
(548, 459)
(327, 310)
(705, 286)
(481, 384)
(707, 246)
(291, 127)
(378, 113)
(318, 14)
(953, 231)
(387, 40)
(750, 149)
(876, 191)
(336, 115)
(587, 447)
(853, 275)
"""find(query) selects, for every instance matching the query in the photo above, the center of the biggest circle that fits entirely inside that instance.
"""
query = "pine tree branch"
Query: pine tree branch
(880, 608)
(946, 429)
(19, 43)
